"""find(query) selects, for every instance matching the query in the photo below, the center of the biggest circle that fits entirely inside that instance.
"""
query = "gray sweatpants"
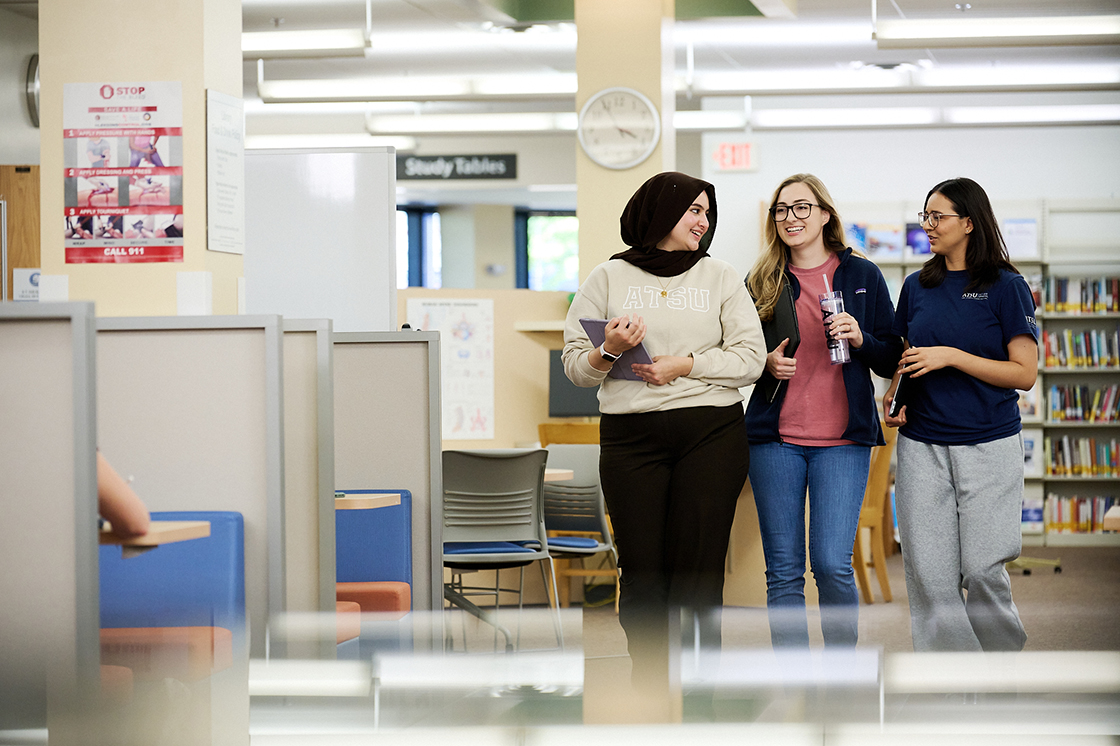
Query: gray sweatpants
(959, 514)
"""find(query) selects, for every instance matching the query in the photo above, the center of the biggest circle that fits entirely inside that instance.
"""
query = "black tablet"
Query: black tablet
(901, 395)
(597, 331)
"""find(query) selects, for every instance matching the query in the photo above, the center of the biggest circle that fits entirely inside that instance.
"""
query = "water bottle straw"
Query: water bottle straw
(827, 287)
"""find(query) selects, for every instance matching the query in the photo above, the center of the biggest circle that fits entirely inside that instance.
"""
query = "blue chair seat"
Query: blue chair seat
(576, 543)
(484, 547)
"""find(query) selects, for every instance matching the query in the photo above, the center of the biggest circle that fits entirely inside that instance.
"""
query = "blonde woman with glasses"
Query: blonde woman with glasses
(816, 433)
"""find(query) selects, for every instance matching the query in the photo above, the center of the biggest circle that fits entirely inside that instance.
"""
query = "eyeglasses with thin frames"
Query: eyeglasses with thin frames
(933, 218)
(800, 210)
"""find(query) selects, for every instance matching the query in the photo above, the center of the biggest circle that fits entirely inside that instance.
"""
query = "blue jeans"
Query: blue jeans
(836, 478)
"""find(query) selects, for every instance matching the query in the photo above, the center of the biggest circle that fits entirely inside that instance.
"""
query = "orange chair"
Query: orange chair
(871, 517)
(568, 432)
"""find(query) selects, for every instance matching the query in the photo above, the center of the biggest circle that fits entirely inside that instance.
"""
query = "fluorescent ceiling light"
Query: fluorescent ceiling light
(312, 43)
(713, 119)
(1019, 76)
(456, 123)
(796, 81)
(424, 88)
(840, 118)
(1080, 113)
(334, 140)
(906, 78)
(710, 119)
(754, 33)
(933, 116)
(911, 33)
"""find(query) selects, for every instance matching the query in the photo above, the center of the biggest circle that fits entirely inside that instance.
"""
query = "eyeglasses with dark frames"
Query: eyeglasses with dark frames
(933, 218)
(800, 210)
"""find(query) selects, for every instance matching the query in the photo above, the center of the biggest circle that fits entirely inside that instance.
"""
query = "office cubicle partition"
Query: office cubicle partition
(309, 464)
(192, 409)
(49, 649)
(387, 436)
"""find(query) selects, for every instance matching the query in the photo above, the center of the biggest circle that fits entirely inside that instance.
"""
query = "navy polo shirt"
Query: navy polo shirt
(948, 406)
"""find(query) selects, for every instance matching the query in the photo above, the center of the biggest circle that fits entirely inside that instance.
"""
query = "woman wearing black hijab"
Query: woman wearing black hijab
(672, 443)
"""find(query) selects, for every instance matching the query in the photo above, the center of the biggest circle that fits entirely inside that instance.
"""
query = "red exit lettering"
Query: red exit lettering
(733, 156)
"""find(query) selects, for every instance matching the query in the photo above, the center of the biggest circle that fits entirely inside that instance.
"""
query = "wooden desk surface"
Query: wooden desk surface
(161, 532)
(367, 502)
(558, 475)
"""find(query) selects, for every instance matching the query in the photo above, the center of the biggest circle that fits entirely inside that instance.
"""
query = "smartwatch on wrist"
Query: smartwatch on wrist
(606, 355)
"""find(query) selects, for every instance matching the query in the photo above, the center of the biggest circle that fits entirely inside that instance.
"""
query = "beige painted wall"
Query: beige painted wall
(493, 247)
(204, 52)
(520, 359)
(620, 44)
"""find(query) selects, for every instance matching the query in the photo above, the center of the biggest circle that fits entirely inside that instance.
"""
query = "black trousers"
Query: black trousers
(671, 481)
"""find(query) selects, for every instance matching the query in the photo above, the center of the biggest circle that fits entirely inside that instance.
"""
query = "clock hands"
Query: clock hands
(617, 126)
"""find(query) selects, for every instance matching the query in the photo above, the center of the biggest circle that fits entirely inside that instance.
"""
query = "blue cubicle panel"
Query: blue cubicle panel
(194, 583)
(374, 544)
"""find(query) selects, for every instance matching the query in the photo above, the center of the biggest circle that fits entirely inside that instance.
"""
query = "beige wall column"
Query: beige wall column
(621, 43)
(196, 42)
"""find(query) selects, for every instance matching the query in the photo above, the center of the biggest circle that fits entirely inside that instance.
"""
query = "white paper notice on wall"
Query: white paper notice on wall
(25, 285)
(1021, 237)
(54, 288)
(195, 293)
(466, 342)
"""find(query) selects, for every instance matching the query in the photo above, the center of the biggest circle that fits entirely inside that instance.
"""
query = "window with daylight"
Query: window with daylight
(419, 249)
(548, 250)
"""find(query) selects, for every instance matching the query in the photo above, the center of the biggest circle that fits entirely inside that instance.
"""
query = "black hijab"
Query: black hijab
(653, 212)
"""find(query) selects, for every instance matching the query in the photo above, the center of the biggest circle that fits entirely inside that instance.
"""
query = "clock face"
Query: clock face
(619, 128)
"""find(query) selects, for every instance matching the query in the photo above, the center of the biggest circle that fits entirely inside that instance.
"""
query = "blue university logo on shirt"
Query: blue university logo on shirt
(974, 296)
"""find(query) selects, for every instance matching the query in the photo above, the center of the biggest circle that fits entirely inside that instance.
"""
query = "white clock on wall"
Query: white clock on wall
(619, 128)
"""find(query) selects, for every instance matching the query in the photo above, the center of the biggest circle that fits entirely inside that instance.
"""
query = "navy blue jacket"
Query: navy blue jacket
(867, 299)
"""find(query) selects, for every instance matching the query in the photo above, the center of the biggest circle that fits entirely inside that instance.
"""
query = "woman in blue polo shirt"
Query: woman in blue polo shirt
(968, 320)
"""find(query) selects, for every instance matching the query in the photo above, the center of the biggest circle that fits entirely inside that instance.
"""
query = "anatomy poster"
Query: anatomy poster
(466, 344)
(123, 180)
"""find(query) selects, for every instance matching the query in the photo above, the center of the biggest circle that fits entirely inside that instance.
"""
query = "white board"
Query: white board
(321, 236)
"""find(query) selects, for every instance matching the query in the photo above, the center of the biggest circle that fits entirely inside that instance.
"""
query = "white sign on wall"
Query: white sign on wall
(466, 344)
(25, 284)
(225, 173)
(122, 147)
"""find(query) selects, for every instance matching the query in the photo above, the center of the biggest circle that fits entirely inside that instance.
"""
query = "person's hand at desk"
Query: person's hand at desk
(118, 503)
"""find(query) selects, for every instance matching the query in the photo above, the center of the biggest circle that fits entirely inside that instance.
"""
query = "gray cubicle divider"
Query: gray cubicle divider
(49, 646)
(387, 435)
(309, 465)
(192, 407)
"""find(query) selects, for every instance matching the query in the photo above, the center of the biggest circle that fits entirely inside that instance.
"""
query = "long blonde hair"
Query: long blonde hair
(768, 274)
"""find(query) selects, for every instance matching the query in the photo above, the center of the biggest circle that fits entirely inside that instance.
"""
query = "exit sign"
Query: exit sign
(734, 156)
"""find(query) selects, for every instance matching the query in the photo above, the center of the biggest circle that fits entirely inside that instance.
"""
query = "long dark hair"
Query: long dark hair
(986, 253)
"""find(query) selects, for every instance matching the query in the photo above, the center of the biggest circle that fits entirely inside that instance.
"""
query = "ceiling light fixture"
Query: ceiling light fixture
(423, 88)
(312, 43)
(326, 140)
(538, 122)
(842, 118)
(913, 33)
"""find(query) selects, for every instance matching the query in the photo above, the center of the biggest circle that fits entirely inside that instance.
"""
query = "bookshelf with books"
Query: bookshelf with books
(1078, 390)
(1069, 253)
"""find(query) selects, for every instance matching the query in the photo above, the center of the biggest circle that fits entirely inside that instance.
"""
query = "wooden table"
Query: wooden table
(367, 502)
(558, 475)
(160, 532)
